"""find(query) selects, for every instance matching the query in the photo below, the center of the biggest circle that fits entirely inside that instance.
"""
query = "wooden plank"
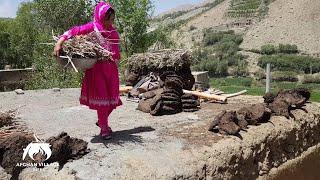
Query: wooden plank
(125, 89)
(236, 94)
(206, 96)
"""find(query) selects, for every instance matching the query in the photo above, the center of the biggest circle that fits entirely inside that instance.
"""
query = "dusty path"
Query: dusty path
(177, 146)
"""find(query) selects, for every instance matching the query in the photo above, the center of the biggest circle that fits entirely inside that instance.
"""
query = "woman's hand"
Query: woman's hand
(57, 49)
(58, 46)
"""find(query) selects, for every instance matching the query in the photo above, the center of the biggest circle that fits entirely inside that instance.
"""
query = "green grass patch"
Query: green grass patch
(232, 85)
(254, 91)
(315, 96)
(245, 82)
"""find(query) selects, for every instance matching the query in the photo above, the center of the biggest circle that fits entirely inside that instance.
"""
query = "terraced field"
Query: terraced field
(247, 8)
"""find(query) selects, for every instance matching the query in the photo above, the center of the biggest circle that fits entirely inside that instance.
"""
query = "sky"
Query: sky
(8, 8)
(164, 5)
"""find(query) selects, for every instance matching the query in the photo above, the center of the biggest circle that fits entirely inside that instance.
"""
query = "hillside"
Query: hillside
(191, 32)
(181, 14)
(288, 22)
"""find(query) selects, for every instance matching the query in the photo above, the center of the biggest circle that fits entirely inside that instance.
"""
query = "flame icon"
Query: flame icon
(37, 147)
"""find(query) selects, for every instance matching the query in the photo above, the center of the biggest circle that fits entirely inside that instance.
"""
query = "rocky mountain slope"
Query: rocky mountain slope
(287, 21)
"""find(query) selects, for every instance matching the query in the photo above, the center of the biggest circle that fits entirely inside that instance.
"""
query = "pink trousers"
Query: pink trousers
(103, 119)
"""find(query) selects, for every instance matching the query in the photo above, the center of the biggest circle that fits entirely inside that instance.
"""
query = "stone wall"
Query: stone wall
(11, 79)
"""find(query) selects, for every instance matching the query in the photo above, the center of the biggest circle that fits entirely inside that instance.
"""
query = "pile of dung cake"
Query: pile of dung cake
(169, 99)
(160, 62)
(63, 149)
(190, 103)
(281, 104)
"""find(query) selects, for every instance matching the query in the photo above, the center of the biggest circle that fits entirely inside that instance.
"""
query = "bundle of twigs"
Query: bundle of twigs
(82, 52)
(85, 46)
(166, 58)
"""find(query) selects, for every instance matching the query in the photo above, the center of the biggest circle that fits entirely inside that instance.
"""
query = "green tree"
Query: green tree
(132, 22)
(160, 35)
(60, 15)
(23, 36)
(57, 16)
(5, 54)
(48, 74)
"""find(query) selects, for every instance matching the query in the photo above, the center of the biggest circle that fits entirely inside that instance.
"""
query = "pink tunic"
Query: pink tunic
(100, 85)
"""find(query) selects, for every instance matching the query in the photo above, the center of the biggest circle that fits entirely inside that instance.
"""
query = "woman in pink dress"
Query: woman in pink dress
(100, 86)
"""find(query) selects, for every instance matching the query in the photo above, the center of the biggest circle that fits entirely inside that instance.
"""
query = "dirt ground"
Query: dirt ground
(165, 147)
(197, 134)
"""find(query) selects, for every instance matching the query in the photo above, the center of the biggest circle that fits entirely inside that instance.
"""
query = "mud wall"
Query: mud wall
(261, 150)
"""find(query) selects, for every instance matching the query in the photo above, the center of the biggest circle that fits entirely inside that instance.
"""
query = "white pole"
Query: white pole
(268, 78)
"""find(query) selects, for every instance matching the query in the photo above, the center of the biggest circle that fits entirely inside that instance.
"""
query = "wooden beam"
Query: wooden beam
(206, 96)
(236, 94)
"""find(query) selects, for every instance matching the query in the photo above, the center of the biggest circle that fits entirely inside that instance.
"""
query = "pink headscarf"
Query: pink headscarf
(109, 33)
(99, 15)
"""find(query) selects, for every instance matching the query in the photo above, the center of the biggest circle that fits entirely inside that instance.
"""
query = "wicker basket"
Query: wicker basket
(81, 64)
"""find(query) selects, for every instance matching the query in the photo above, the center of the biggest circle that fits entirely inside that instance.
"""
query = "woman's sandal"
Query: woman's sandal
(97, 124)
(105, 136)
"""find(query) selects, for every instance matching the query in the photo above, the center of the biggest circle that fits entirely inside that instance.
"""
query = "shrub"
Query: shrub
(220, 51)
(285, 76)
(221, 69)
(213, 66)
(235, 59)
(268, 49)
(288, 49)
(242, 69)
(310, 78)
(48, 74)
(159, 35)
(227, 47)
(291, 63)
(212, 38)
(238, 39)
(259, 75)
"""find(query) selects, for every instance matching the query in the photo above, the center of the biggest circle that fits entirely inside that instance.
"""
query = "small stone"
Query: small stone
(56, 89)
(19, 91)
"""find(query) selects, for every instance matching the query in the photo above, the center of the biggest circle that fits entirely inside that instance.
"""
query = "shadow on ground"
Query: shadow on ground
(124, 136)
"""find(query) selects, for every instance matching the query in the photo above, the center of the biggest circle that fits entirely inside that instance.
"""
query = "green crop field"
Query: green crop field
(257, 88)
(247, 8)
